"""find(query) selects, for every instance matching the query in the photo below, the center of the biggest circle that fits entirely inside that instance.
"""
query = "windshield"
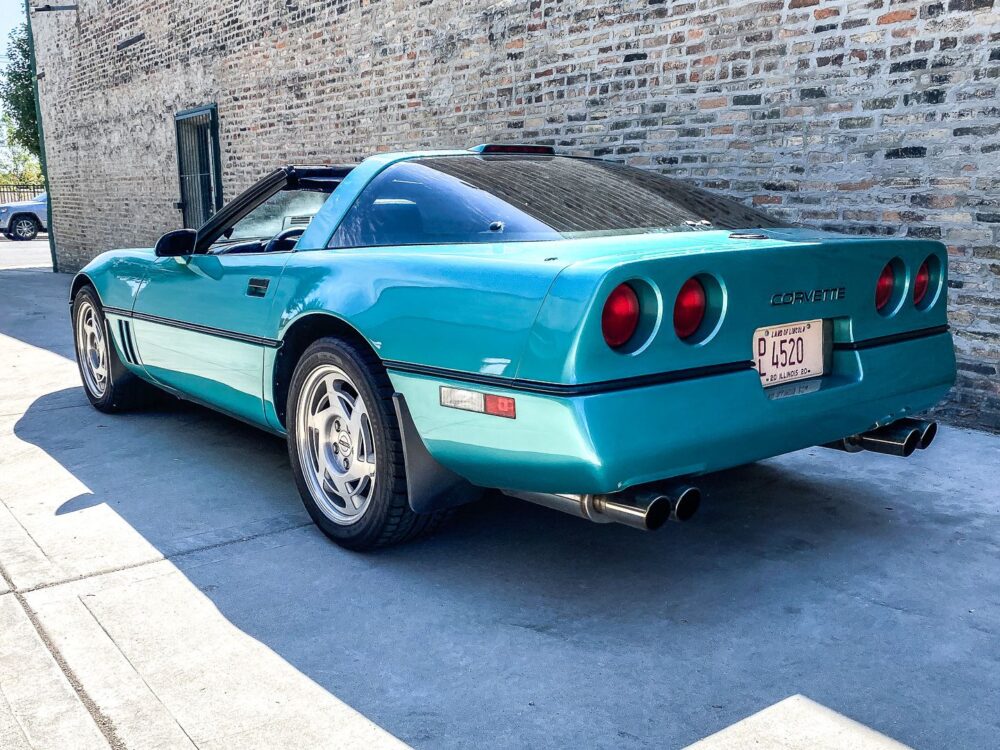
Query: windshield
(469, 199)
(288, 209)
(39, 197)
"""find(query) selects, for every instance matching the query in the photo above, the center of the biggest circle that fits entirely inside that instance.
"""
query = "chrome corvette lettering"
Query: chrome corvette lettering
(813, 295)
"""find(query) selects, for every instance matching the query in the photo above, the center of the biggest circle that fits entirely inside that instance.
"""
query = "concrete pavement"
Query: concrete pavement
(165, 589)
(34, 254)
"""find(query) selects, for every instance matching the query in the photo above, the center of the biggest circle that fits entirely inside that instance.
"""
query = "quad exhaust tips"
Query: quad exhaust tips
(647, 507)
(899, 438)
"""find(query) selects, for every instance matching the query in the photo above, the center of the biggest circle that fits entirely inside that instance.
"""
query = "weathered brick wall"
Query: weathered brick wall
(879, 116)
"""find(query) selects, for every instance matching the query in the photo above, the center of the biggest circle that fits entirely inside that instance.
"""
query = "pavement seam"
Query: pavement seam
(27, 533)
(144, 563)
(17, 719)
(103, 722)
(135, 669)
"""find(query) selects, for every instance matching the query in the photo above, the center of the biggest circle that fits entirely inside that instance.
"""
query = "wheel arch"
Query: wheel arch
(79, 282)
(430, 486)
(302, 332)
(28, 215)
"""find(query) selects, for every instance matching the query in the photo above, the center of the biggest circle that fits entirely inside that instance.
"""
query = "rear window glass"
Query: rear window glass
(459, 199)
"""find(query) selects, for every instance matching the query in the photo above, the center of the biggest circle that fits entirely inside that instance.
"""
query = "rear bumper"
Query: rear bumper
(606, 442)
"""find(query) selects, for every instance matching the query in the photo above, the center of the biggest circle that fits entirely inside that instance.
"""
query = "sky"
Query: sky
(11, 14)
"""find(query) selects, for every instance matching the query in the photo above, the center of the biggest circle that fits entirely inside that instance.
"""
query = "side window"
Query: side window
(411, 204)
(288, 209)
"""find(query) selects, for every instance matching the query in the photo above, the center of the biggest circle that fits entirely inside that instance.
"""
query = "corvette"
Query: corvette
(576, 333)
(813, 295)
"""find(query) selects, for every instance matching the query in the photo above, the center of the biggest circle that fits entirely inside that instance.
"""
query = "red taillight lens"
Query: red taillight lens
(689, 309)
(884, 287)
(499, 406)
(921, 283)
(620, 317)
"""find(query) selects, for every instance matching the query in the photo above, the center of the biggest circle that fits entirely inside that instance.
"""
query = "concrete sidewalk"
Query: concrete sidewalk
(162, 587)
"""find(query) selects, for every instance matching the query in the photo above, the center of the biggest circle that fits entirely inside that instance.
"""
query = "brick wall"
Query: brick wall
(875, 117)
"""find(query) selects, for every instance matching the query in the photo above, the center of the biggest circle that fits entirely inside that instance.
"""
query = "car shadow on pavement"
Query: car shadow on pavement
(520, 626)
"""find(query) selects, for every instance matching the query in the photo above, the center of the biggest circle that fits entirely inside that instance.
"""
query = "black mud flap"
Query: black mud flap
(430, 485)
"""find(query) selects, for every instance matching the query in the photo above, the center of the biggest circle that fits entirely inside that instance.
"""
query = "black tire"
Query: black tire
(388, 518)
(123, 390)
(24, 227)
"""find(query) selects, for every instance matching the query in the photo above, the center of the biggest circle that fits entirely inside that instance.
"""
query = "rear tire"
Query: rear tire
(345, 448)
(109, 385)
(24, 228)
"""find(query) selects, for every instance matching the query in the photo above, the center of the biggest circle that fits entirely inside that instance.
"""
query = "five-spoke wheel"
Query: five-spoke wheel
(335, 444)
(345, 449)
(109, 385)
(92, 348)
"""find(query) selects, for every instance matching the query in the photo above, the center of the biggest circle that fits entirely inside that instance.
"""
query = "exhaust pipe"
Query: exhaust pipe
(646, 508)
(928, 430)
(893, 440)
(899, 438)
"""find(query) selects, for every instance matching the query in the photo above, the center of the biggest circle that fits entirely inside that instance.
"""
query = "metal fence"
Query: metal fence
(22, 192)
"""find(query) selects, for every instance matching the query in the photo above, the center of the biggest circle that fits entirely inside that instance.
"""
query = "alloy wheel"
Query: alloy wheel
(336, 445)
(24, 229)
(92, 348)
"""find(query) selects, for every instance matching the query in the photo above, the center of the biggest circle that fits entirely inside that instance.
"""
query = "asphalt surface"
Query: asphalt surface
(162, 587)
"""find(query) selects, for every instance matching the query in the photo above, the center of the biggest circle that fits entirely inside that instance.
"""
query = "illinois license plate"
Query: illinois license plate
(792, 351)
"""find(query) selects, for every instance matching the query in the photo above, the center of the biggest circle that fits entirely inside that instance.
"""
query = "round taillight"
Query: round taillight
(885, 286)
(921, 283)
(620, 317)
(689, 308)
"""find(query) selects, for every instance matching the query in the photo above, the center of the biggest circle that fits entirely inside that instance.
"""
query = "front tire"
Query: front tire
(109, 385)
(24, 228)
(345, 448)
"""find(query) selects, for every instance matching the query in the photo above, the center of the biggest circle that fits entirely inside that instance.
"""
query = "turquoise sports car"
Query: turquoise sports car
(574, 332)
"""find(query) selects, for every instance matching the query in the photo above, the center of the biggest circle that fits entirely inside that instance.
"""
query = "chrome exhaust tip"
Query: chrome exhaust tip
(646, 511)
(900, 438)
(928, 430)
(893, 440)
(685, 504)
(644, 508)
(650, 509)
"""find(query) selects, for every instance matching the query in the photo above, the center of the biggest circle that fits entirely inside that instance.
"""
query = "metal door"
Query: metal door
(198, 164)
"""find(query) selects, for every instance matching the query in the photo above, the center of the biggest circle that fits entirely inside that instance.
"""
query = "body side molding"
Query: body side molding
(207, 330)
(568, 389)
(893, 338)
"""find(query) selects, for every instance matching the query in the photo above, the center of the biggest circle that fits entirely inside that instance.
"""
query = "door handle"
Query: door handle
(257, 287)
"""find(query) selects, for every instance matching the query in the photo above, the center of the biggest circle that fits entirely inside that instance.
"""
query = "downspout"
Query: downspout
(41, 140)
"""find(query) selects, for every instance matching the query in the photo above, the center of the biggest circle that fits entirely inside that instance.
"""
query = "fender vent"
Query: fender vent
(127, 347)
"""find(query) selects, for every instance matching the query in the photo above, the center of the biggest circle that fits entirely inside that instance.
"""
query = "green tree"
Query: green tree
(17, 165)
(17, 91)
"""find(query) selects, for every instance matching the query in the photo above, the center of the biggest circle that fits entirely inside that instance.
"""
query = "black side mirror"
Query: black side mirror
(176, 243)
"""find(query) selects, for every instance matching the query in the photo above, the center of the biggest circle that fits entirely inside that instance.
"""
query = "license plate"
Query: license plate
(792, 351)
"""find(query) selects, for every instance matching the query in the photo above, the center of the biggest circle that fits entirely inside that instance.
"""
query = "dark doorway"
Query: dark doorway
(198, 164)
